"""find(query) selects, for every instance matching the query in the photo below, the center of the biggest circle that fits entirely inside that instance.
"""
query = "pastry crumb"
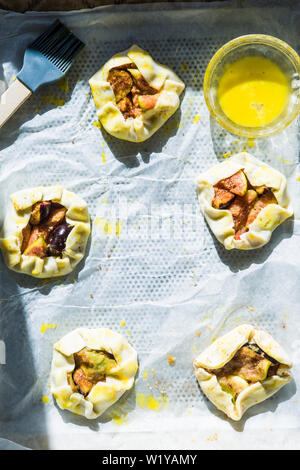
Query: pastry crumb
(212, 438)
(171, 360)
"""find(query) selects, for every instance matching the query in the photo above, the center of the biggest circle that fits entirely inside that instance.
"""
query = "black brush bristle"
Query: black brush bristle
(58, 45)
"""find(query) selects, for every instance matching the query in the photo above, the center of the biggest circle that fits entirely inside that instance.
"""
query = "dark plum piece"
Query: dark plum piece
(58, 237)
(56, 217)
(40, 212)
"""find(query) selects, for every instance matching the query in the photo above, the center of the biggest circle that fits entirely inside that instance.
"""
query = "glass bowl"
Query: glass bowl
(254, 45)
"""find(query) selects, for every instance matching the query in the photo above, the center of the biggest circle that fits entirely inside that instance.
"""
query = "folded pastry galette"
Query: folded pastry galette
(91, 369)
(241, 369)
(243, 200)
(135, 95)
(45, 231)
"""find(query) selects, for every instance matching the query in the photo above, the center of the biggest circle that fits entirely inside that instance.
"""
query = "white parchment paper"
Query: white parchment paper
(153, 271)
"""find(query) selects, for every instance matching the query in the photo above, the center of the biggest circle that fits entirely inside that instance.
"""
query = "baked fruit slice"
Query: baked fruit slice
(135, 95)
(45, 231)
(91, 369)
(242, 368)
(236, 183)
(243, 201)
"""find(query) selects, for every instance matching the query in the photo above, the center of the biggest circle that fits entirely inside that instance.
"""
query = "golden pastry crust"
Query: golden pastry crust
(140, 128)
(17, 219)
(221, 221)
(221, 351)
(105, 393)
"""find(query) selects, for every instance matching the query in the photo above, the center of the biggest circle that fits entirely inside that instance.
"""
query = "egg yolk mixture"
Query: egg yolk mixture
(253, 91)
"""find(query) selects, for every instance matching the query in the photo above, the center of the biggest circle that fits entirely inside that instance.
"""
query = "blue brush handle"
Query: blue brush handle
(37, 70)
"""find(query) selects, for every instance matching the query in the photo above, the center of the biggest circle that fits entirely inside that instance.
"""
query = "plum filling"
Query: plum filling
(244, 201)
(91, 367)
(249, 365)
(132, 92)
(47, 230)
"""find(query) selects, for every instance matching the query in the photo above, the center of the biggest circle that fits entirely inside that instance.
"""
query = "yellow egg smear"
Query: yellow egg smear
(149, 402)
(253, 91)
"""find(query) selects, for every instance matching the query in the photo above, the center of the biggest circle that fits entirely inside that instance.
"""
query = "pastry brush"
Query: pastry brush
(46, 60)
